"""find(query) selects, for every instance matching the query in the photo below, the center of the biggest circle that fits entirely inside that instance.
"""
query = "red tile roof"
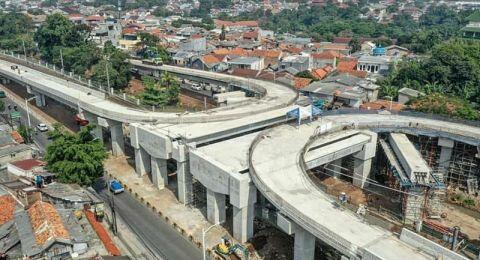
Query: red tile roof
(347, 65)
(265, 53)
(46, 223)
(17, 137)
(129, 31)
(301, 82)
(220, 23)
(326, 55)
(94, 18)
(7, 207)
(210, 59)
(28, 164)
(102, 234)
(246, 73)
(250, 35)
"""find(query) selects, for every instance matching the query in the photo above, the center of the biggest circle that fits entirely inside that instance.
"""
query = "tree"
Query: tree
(59, 31)
(161, 93)
(355, 44)
(118, 67)
(75, 158)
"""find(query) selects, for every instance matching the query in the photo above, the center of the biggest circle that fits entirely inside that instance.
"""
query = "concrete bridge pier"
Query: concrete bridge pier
(39, 99)
(304, 245)
(118, 142)
(142, 162)
(97, 130)
(445, 152)
(362, 163)
(336, 168)
(216, 212)
(159, 172)
(184, 176)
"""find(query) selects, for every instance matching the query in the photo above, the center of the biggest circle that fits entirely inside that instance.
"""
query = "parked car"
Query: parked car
(116, 187)
(196, 86)
(80, 120)
(42, 127)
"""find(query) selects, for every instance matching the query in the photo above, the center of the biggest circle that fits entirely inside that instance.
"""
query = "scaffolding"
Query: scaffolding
(464, 167)
(199, 194)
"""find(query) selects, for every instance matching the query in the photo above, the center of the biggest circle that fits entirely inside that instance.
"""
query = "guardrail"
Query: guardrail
(347, 111)
(53, 70)
(298, 217)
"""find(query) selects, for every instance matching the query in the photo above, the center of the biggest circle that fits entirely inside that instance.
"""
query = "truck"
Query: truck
(153, 61)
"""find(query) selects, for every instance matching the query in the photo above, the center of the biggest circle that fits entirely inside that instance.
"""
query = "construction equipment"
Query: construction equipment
(228, 251)
(98, 209)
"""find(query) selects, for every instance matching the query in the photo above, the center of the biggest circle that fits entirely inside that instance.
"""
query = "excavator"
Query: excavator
(227, 250)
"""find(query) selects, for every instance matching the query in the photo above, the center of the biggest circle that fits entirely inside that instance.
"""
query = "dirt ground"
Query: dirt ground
(467, 220)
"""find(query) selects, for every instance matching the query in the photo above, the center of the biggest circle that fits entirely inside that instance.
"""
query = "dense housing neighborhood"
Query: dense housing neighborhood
(228, 129)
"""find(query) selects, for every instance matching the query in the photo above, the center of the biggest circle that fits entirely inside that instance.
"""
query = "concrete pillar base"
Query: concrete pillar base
(118, 143)
(304, 246)
(142, 162)
(184, 182)
(336, 168)
(215, 207)
(361, 171)
(159, 173)
(39, 99)
(243, 223)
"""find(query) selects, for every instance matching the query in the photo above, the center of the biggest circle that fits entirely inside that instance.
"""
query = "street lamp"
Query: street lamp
(28, 111)
(204, 232)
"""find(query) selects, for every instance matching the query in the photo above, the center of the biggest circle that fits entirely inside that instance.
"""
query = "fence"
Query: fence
(53, 70)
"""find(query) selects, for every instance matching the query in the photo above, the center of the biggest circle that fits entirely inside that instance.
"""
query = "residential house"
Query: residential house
(397, 51)
(27, 168)
(253, 63)
(374, 64)
(211, 62)
(298, 62)
(184, 58)
(272, 57)
(472, 29)
(196, 43)
(325, 58)
(343, 89)
(406, 94)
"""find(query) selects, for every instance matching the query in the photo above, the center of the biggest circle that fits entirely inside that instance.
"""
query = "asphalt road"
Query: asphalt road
(158, 236)
(40, 139)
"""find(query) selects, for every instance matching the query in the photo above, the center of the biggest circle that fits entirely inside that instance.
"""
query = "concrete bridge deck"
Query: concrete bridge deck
(276, 168)
(275, 96)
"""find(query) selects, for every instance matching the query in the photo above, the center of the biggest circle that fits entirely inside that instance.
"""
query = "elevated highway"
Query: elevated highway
(279, 171)
(273, 96)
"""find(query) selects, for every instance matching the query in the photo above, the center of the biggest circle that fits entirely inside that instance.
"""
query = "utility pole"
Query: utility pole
(108, 77)
(61, 58)
(24, 50)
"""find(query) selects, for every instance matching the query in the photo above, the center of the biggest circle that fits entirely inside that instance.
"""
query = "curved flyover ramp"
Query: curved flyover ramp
(274, 96)
(276, 168)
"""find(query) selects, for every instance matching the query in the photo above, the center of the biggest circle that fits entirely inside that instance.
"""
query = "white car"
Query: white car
(196, 86)
(42, 127)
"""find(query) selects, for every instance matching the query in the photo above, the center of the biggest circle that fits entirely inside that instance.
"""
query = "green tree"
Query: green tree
(59, 31)
(118, 68)
(355, 44)
(75, 158)
(160, 94)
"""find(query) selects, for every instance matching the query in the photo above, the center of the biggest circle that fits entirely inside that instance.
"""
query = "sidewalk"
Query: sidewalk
(188, 221)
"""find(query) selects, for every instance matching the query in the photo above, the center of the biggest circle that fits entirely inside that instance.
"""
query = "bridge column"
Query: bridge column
(362, 163)
(243, 223)
(215, 207)
(159, 172)
(39, 99)
(336, 168)
(142, 162)
(304, 245)
(445, 153)
(97, 130)
(118, 143)
(184, 182)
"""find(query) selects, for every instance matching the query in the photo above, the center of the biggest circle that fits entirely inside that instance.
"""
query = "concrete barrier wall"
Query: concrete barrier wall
(429, 246)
